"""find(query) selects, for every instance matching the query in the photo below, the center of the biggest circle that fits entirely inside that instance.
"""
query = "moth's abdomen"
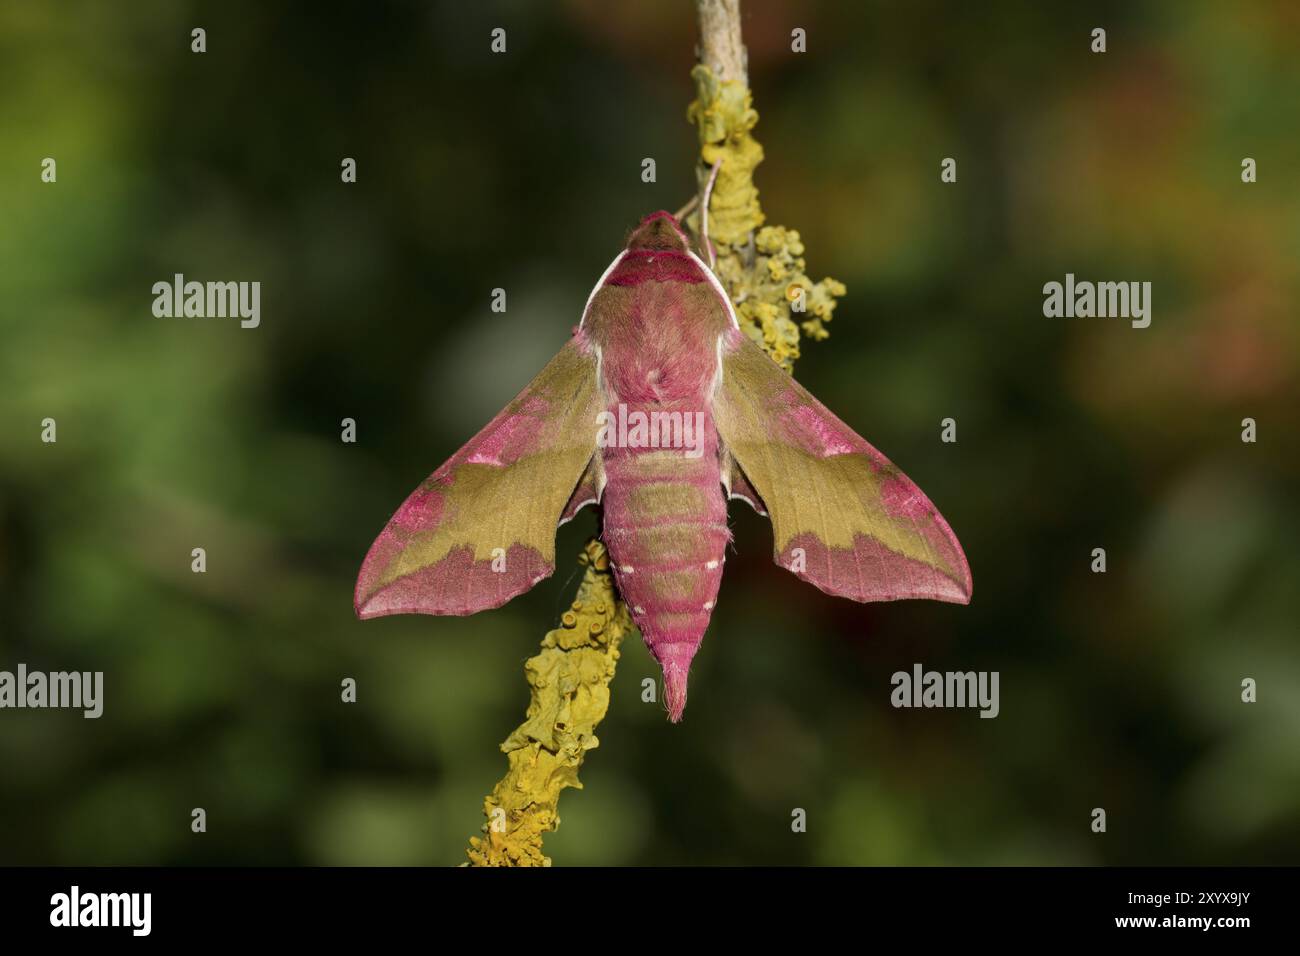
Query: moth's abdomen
(665, 524)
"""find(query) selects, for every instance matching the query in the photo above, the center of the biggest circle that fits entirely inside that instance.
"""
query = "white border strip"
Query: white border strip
(600, 282)
(717, 287)
(708, 274)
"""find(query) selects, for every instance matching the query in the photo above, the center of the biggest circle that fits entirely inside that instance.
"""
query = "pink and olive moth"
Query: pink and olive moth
(659, 344)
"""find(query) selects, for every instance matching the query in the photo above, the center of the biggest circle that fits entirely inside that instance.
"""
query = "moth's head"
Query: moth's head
(659, 231)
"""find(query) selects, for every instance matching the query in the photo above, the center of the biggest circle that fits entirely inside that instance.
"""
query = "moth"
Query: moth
(659, 410)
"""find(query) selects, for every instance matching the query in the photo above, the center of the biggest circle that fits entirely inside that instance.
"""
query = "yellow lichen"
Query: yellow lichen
(762, 269)
(723, 115)
(570, 679)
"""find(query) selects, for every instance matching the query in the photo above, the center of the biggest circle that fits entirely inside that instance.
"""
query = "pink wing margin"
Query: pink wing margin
(481, 529)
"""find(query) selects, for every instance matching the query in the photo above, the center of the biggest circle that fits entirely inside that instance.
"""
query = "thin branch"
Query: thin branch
(721, 47)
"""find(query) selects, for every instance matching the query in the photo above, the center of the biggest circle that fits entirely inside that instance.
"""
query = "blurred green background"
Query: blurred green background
(522, 171)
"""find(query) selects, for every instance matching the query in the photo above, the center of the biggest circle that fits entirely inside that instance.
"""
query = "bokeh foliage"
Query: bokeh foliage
(475, 172)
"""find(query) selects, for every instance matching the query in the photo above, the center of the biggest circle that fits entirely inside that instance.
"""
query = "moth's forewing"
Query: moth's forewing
(481, 529)
(843, 517)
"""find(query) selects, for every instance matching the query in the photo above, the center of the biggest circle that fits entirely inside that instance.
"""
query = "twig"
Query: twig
(721, 48)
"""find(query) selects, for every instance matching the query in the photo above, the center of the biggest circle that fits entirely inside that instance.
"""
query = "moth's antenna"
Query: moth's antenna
(704, 212)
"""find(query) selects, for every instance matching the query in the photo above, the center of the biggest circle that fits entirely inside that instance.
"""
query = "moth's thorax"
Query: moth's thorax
(657, 251)
(657, 340)
(656, 265)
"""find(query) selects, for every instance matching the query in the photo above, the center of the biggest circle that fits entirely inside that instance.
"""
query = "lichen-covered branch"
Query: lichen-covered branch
(762, 267)
(570, 679)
